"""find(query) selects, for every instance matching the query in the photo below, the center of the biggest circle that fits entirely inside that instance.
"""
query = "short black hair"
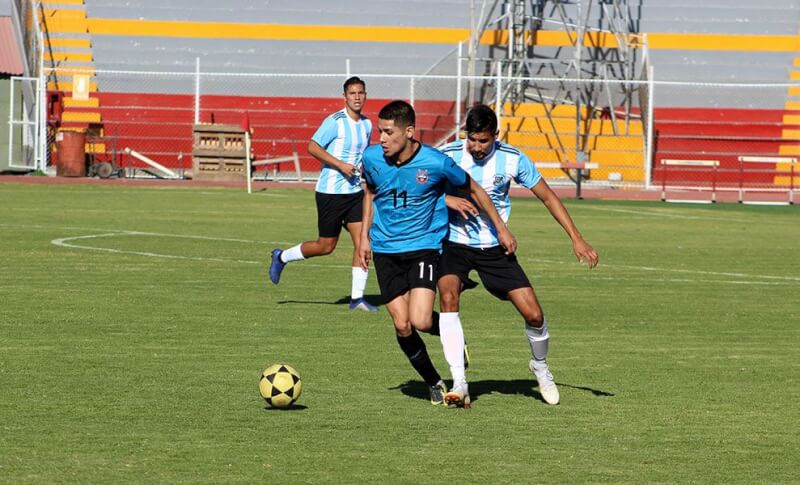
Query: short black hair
(353, 80)
(481, 118)
(400, 112)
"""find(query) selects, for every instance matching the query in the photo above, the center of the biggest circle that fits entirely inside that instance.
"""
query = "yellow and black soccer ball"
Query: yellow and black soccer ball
(280, 385)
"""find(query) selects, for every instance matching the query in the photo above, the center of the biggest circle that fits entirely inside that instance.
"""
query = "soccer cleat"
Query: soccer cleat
(363, 305)
(458, 396)
(547, 386)
(276, 266)
(437, 393)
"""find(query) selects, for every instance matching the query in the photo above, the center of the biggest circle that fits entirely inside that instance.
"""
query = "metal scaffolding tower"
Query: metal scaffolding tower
(589, 49)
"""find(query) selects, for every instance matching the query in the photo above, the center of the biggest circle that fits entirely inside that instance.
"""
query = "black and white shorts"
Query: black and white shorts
(337, 210)
(400, 272)
(499, 272)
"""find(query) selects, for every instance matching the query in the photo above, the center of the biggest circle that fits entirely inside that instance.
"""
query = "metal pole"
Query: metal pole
(499, 98)
(648, 162)
(43, 142)
(411, 91)
(347, 68)
(248, 168)
(11, 122)
(197, 90)
(458, 90)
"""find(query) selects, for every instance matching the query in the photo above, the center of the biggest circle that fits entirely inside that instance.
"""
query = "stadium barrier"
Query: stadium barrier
(679, 180)
(153, 114)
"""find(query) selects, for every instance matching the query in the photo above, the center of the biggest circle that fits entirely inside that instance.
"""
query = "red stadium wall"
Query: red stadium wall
(160, 126)
(723, 135)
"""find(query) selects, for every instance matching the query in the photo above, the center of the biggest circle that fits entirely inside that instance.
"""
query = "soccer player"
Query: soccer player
(339, 144)
(404, 222)
(473, 244)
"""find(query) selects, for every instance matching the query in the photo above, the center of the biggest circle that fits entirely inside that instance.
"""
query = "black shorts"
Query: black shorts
(499, 272)
(337, 210)
(401, 272)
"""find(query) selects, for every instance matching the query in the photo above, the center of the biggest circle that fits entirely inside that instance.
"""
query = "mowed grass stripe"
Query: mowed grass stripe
(127, 368)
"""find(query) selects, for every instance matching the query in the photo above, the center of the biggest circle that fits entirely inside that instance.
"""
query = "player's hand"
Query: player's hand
(364, 254)
(585, 253)
(461, 205)
(349, 171)
(507, 240)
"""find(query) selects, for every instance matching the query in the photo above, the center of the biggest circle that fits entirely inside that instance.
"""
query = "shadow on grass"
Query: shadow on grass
(293, 407)
(372, 299)
(524, 387)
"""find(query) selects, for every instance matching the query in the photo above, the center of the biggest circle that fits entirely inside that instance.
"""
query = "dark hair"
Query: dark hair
(353, 80)
(481, 118)
(400, 112)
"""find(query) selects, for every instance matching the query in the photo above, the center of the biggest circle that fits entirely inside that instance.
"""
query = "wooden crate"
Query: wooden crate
(218, 152)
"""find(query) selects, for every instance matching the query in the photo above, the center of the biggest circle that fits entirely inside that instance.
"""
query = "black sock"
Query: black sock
(417, 354)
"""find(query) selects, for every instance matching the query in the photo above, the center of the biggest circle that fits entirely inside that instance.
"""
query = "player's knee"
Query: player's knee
(326, 247)
(448, 301)
(403, 328)
(534, 317)
(422, 324)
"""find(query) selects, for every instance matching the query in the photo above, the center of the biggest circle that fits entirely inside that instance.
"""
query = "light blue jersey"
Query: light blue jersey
(494, 173)
(346, 140)
(409, 213)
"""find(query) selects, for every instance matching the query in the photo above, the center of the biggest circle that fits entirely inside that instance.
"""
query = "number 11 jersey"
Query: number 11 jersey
(409, 212)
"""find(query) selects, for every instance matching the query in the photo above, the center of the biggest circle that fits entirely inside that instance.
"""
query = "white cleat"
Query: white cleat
(458, 396)
(547, 385)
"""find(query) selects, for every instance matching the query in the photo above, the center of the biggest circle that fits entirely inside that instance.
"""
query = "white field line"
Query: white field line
(674, 270)
(666, 214)
(64, 242)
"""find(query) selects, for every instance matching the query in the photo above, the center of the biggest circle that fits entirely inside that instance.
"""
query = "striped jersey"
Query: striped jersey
(409, 212)
(346, 140)
(494, 173)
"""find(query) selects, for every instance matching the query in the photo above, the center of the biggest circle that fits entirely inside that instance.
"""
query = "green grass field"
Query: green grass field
(135, 322)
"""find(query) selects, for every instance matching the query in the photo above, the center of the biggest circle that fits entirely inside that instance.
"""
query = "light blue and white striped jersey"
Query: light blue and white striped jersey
(346, 140)
(494, 173)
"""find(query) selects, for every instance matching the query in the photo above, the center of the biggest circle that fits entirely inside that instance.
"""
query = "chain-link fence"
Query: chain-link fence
(621, 131)
(724, 138)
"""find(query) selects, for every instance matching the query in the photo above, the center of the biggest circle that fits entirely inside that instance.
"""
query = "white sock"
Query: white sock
(292, 254)
(539, 339)
(359, 283)
(452, 336)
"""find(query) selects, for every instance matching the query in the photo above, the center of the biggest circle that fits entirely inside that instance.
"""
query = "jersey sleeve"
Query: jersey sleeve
(369, 132)
(367, 170)
(527, 173)
(326, 133)
(455, 175)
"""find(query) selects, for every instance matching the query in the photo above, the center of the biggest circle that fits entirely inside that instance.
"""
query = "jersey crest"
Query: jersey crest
(422, 176)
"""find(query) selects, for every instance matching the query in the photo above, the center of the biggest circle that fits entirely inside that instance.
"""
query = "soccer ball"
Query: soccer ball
(280, 385)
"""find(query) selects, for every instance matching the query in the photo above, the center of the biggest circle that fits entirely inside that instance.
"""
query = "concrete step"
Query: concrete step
(70, 102)
(67, 86)
(81, 116)
(69, 56)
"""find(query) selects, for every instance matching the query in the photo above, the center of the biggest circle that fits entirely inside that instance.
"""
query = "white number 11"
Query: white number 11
(422, 271)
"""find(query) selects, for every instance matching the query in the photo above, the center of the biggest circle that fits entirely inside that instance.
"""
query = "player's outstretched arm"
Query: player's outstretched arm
(582, 249)
(316, 151)
(483, 200)
(461, 205)
(364, 245)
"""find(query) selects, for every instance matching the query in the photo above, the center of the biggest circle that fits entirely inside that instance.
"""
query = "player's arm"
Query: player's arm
(364, 245)
(461, 205)
(582, 249)
(316, 151)
(483, 201)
